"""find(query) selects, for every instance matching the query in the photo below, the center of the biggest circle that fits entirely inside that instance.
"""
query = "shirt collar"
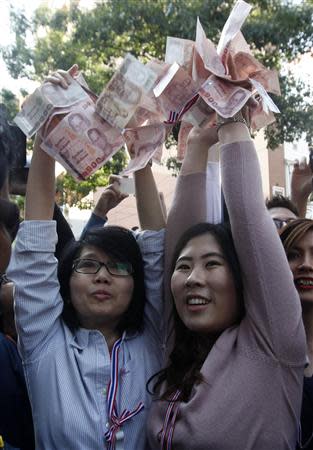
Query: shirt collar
(81, 337)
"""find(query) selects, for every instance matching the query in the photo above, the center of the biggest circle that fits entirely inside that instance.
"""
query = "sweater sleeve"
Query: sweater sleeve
(38, 303)
(273, 321)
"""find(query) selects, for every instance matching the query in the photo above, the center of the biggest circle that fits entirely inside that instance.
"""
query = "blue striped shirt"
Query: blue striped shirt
(67, 373)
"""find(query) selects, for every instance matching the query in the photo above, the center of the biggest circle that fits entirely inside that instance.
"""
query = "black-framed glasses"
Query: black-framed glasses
(92, 266)
(279, 223)
(4, 279)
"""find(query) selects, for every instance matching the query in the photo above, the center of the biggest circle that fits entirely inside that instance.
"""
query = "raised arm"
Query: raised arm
(40, 191)
(149, 206)
(192, 203)
(301, 185)
(273, 321)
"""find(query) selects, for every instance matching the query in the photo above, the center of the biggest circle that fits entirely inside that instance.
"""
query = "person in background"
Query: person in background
(16, 427)
(297, 239)
(282, 210)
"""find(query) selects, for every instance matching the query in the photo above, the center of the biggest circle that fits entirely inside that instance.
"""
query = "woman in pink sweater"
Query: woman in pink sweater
(234, 376)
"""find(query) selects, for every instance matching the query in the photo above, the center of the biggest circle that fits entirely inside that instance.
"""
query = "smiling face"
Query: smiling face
(300, 258)
(100, 299)
(203, 287)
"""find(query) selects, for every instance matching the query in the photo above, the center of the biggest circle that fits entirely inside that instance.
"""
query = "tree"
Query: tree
(72, 192)
(10, 101)
(277, 30)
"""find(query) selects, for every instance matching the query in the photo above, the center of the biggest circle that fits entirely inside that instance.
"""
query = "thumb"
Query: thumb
(73, 70)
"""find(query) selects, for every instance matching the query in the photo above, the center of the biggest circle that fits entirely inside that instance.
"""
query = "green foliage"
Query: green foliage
(10, 101)
(296, 119)
(277, 30)
(72, 193)
(173, 165)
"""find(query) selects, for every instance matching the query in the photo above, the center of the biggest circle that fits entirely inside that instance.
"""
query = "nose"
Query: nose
(196, 277)
(103, 275)
(306, 265)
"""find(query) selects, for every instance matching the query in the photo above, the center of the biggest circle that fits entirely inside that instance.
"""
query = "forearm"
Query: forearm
(300, 202)
(269, 292)
(33, 270)
(40, 191)
(148, 201)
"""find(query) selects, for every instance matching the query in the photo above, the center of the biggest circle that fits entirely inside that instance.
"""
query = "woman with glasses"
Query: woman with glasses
(89, 327)
(297, 239)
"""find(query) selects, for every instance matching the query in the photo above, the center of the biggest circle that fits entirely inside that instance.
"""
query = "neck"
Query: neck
(111, 337)
(110, 333)
(307, 315)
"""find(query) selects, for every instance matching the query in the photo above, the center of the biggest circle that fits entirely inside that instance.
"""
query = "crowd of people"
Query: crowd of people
(190, 333)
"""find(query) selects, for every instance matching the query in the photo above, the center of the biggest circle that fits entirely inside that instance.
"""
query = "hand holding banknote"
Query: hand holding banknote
(63, 78)
(110, 198)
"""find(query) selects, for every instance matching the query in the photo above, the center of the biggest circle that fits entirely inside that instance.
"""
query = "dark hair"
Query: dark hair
(9, 217)
(293, 231)
(118, 242)
(279, 201)
(184, 366)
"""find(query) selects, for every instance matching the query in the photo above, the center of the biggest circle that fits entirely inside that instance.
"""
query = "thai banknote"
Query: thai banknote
(174, 90)
(207, 51)
(180, 51)
(246, 65)
(259, 118)
(268, 104)
(142, 143)
(38, 106)
(82, 141)
(183, 134)
(232, 26)
(269, 80)
(119, 100)
(224, 97)
(200, 114)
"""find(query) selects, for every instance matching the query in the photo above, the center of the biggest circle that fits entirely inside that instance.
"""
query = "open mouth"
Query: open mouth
(304, 283)
(195, 301)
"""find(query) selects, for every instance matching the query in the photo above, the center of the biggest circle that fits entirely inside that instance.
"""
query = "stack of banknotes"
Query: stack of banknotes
(142, 102)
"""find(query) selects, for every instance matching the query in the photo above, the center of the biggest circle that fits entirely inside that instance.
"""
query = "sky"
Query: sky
(29, 7)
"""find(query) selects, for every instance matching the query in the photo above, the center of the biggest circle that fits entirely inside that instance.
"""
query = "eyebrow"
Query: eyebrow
(206, 255)
(89, 256)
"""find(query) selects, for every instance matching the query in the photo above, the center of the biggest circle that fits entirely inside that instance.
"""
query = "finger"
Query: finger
(72, 71)
(57, 78)
(114, 179)
(303, 164)
(123, 196)
(115, 188)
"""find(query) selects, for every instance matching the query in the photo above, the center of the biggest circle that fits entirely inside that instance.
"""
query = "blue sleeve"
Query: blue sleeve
(93, 222)
(151, 244)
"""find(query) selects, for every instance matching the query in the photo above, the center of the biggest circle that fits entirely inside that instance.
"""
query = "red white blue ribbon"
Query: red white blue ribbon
(175, 116)
(115, 420)
(169, 422)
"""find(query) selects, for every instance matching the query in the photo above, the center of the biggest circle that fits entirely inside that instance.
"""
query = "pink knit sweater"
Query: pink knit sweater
(251, 396)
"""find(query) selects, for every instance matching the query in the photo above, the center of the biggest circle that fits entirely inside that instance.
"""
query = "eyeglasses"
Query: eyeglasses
(279, 223)
(4, 279)
(92, 266)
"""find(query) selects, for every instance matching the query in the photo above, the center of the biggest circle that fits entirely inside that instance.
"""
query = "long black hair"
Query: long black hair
(119, 243)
